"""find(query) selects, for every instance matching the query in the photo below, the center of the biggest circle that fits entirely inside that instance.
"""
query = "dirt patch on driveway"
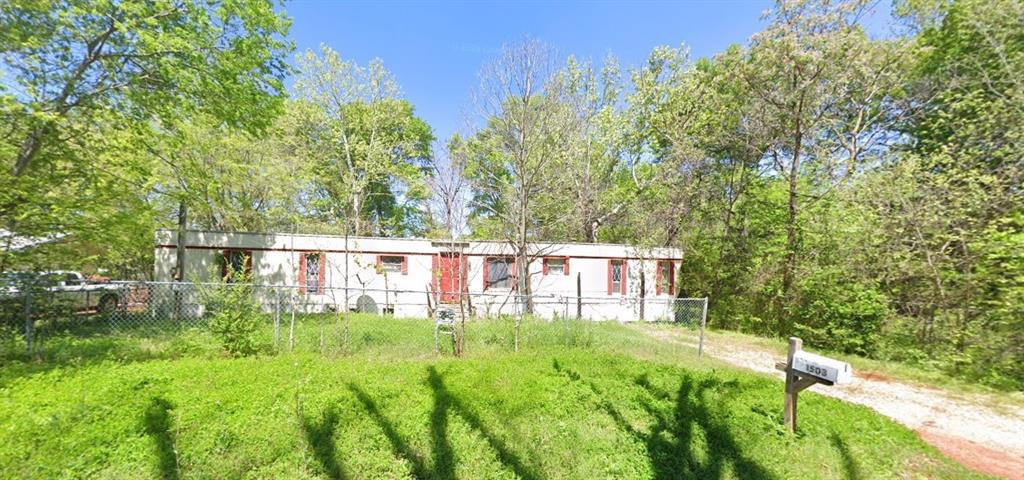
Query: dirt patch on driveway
(968, 431)
(974, 456)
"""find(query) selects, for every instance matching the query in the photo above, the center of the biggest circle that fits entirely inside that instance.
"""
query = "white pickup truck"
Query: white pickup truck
(70, 286)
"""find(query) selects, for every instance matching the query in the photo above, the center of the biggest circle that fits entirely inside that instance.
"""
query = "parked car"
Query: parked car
(68, 286)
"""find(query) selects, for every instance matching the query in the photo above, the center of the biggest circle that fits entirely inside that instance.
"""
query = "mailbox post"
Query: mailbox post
(804, 369)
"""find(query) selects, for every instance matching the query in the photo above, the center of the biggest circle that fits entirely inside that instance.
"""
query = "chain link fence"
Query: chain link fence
(327, 320)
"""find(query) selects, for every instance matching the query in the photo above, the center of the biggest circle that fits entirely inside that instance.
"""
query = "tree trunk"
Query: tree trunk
(522, 255)
(789, 269)
(179, 271)
(179, 268)
(523, 280)
(357, 207)
(28, 150)
(590, 230)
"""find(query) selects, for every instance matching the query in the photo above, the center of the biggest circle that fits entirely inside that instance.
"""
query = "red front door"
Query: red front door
(452, 269)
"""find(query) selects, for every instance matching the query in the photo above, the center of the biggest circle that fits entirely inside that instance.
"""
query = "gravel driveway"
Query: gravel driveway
(959, 425)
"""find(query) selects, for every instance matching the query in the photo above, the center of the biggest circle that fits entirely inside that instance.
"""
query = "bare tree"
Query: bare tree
(450, 205)
(509, 160)
(450, 202)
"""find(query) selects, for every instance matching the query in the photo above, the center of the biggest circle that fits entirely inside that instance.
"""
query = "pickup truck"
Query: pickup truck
(73, 287)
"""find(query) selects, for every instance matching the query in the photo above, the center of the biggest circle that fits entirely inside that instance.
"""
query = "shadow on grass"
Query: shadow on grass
(320, 437)
(445, 401)
(157, 422)
(443, 458)
(398, 445)
(670, 439)
(850, 466)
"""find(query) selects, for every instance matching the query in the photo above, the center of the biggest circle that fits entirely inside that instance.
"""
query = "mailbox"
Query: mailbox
(824, 368)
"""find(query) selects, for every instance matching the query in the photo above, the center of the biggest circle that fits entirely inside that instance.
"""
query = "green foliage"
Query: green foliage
(234, 319)
(555, 413)
(89, 86)
(370, 155)
(233, 313)
(839, 314)
(858, 192)
(997, 349)
(861, 192)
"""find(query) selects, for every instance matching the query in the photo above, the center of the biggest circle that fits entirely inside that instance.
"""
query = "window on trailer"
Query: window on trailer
(616, 276)
(313, 265)
(236, 264)
(392, 263)
(499, 272)
(556, 266)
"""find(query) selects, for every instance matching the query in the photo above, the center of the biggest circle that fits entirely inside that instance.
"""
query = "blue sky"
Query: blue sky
(435, 49)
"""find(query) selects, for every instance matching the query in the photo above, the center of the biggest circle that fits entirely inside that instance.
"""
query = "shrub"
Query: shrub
(840, 315)
(234, 315)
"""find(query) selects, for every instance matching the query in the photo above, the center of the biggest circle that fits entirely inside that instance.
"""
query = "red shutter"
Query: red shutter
(323, 273)
(609, 277)
(405, 265)
(658, 278)
(545, 265)
(623, 276)
(566, 267)
(302, 272)
(487, 270)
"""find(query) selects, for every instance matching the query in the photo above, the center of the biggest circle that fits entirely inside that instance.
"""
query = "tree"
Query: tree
(448, 211)
(813, 75)
(510, 160)
(694, 120)
(85, 82)
(949, 210)
(230, 180)
(754, 148)
(592, 158)
(372, 154)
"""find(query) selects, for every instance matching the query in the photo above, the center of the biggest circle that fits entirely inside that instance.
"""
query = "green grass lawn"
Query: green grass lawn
(577, 401)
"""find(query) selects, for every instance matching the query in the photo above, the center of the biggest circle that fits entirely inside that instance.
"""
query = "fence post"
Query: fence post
(789, 407)
(643, 296)
(703, 323)
(30, 326)
(579, 297)
(277, 318)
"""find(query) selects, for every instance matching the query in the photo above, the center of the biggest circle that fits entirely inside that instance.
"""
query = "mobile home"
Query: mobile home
(405, 276)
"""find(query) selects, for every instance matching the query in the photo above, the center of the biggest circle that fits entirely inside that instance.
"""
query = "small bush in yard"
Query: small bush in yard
(234, 315)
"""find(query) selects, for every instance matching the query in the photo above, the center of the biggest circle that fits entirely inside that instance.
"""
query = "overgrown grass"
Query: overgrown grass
(587, 400)
(92, 340)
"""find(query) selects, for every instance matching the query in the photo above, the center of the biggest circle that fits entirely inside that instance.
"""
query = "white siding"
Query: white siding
(275, 261)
